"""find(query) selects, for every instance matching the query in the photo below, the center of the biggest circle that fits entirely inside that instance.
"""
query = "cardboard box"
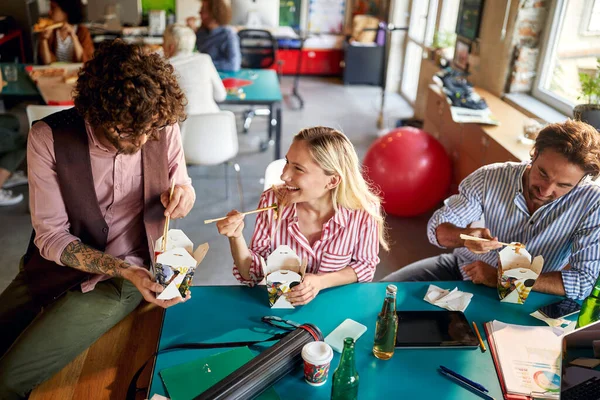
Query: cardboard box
(517, 274)
(283, 270)
(174, 268)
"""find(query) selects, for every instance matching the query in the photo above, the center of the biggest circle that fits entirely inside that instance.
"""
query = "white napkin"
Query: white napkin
(454, 300)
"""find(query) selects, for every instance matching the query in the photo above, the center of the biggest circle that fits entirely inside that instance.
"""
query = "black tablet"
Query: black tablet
(434, 329)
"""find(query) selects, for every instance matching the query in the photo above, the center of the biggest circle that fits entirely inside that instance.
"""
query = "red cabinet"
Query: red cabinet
(314, 62)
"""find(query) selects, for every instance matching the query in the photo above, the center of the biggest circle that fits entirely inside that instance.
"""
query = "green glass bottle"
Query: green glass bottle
(387, 325)
(344, 385)
(590, 309)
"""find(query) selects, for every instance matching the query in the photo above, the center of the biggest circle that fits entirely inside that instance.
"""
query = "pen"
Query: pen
(464, 379)
(466, 385)
(479, 337)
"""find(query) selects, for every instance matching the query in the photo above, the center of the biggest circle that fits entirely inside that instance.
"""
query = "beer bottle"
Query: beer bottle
(590, 309)
(344, 385)
(387, 325)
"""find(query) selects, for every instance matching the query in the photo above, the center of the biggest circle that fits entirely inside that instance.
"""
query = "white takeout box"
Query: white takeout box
(174, 269)
(517, 274)
(282, 269)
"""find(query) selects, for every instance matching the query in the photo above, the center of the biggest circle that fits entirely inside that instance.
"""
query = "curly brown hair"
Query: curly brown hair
(220, 10)
(125, 89)
(575, 140)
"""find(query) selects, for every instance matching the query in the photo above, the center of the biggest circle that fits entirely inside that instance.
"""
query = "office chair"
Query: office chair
(259, 51)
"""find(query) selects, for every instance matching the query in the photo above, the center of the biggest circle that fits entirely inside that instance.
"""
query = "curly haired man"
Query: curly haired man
(99, 178)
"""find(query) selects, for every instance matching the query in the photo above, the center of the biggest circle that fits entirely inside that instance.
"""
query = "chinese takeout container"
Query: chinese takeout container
(517, 274)
(282, 270)
(174, 268)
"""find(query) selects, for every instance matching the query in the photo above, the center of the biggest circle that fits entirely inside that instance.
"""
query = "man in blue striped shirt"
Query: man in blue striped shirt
(549, 203)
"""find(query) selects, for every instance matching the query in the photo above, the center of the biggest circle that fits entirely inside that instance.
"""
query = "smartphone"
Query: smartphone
(560, 309)
(348, 328)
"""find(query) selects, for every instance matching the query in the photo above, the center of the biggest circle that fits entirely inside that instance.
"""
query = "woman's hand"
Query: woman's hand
(306, 291)
(233, 225)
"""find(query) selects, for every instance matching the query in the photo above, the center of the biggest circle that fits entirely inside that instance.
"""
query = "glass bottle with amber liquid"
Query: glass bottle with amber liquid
(344, 385)
(387, 325)
(590, 308)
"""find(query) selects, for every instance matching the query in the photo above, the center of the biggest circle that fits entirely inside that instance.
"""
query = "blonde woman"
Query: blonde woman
(327, 214)
(196, 73)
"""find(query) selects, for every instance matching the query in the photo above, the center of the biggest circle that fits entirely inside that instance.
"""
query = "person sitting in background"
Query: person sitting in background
(220, 42)
(327, 214)
(548, 203)
(72, 41)
(195, 72)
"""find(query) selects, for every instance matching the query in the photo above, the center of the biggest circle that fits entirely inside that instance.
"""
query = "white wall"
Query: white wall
(186, 8)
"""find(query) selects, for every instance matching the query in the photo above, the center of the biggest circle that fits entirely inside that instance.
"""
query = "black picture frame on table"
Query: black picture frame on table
(461, 55)
(469, 19)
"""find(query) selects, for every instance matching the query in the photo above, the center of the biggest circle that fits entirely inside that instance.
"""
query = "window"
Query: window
(570, 47)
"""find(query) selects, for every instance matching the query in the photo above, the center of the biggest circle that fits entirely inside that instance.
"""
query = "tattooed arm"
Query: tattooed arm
(85, 258)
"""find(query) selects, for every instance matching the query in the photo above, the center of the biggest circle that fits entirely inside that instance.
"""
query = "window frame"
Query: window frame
(589, 6)
(549, 42)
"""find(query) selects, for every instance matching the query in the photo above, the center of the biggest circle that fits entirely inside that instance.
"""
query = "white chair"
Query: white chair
(273, 173)
(38, 112)
(211, 139)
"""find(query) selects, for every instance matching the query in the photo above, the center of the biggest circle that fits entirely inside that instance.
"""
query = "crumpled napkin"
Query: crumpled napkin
(454, 300)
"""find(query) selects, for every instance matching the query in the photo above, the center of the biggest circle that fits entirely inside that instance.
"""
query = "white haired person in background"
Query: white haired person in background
(195, 72)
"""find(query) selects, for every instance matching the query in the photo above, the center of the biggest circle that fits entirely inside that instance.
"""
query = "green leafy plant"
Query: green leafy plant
(590, 86)
(443, 39)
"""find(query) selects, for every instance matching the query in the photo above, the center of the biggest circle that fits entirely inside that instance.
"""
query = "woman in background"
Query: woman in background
(216, 39)
(72, 41)
(327, 214)
(195, 72)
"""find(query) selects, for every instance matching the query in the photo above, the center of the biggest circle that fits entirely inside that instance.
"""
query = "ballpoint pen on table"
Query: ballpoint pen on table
(462, 378)
(455, 377)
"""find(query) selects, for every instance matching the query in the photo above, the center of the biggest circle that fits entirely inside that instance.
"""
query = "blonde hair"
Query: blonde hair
(335, 154)
(182, 36)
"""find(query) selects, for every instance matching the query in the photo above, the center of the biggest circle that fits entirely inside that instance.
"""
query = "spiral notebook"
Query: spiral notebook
(527, 359)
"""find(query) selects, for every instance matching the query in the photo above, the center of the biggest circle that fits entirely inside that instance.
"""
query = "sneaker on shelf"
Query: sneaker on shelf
(18, 178)
(8, 198)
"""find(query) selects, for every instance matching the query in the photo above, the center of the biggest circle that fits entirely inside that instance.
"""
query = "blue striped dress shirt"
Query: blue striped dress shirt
(564, 231)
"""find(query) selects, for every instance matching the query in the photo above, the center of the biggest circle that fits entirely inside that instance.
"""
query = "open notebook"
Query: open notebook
(527, 359)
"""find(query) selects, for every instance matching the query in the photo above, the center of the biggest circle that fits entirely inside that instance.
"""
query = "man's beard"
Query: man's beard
(126, 148)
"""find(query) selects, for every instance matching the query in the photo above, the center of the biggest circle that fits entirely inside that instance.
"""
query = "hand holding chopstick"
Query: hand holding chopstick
(167, 220)
(271, 207)
(478, 239)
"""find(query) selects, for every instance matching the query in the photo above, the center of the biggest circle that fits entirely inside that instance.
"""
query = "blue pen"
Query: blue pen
(462, 378)
(468, 386)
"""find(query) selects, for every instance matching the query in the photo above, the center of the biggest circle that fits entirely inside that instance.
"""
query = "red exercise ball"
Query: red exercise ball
(412, 170)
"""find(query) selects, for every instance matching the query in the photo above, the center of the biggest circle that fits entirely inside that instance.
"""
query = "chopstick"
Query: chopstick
(273, 206)
(468, 237)
(167, 220)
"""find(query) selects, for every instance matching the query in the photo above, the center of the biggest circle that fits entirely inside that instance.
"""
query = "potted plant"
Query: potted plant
(590, 90)
(442, 40)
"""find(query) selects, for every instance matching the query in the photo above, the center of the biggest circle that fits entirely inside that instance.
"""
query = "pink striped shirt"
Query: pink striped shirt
(348, 239)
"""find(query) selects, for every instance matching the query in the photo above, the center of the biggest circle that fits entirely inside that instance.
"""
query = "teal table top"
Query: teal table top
(263, 90)
(232, 313)
(23, 87)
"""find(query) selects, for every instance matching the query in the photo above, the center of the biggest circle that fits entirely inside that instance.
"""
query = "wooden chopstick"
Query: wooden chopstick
(167, 220)
(209, 221)
(515, 245)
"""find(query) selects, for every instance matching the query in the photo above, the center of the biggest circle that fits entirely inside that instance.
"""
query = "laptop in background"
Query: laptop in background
(582, 347)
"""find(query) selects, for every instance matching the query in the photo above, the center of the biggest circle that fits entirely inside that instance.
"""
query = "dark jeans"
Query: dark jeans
(13, 145)
(439, 268)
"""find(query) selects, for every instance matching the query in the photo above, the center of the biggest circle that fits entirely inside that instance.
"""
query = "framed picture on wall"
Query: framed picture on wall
(461, 55)
(469, 18)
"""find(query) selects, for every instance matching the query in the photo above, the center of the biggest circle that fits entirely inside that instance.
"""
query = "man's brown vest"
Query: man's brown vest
(48, 280)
